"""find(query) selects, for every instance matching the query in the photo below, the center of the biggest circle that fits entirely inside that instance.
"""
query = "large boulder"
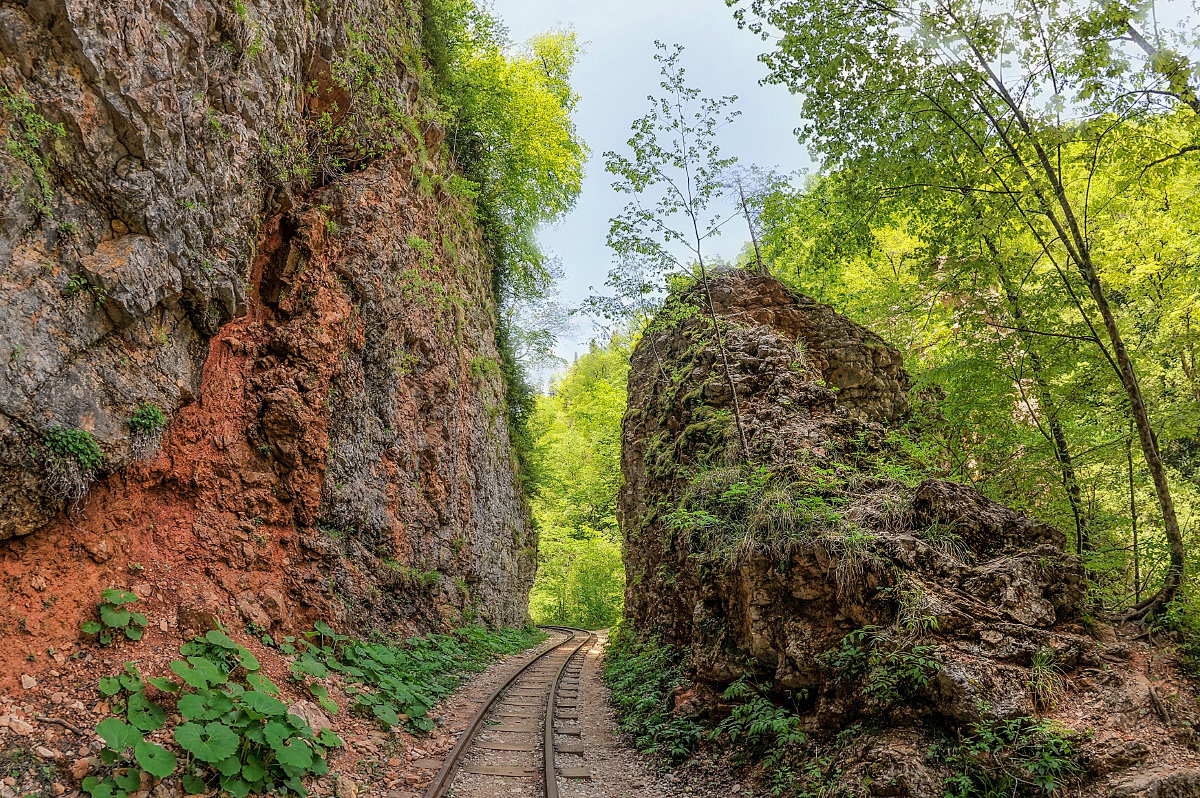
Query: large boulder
(827, 567)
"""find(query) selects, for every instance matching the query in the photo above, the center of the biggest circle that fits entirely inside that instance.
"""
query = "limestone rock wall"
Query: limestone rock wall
(311, 312)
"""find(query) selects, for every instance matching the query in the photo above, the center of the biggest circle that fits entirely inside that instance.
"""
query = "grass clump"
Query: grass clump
(1045, 678)
(71, 458)
(145, 427)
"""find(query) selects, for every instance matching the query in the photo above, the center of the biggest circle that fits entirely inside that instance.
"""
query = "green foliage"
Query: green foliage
(577, 427)
(27, 137)
(1045, 678)
(761, 730)
(1021, 756)
(147, 419)
(116, 618)
(643, 675)
(1000, 243)
(234, 735)
(77, 445)
(400, 682)
(891, 670)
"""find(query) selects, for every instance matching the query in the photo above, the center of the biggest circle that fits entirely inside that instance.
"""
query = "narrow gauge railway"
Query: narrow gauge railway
(526, 725)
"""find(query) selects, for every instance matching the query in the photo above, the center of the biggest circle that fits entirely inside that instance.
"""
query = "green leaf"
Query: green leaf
(235, 786)
(164, 684)
(98, 788)
(307, 664)
(91, 627)
(193, 785)
(137, 618)
(387, 714)
(329, 739)
(247, 659)
(253, 770)
(114, 617)
(155, 760)
(261, 683)
(221, 640)
(211, 742)
(110, 686)
(295, 754)
(230, 766)
(134, 632)
(115, 596)
(144, 714)
(118, 734)
(128, 779)
(276, 734)
(264, 704)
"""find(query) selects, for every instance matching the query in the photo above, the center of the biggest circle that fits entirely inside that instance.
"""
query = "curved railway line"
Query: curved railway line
(499, 739)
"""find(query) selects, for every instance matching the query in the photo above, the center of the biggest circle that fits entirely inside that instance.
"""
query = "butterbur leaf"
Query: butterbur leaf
(118, 734)
(264, 704)
(386, 713)
(193, 785)
(319, 767)
(110, 686)
(192, 707)
(155, 760)
(230, 766)
(221, 640)
(97, 788)
(262, 683)
(276, 734)
(105, 638)
(91, 627)
(235, 786)
(114, 617)
(253, 770)
(211, 742)
(144, 714)
(329, 739)
(137, 618)
(128, 779)
(295, 754)
(115, 596)
(308, 664)
(134, 632)
(247, 659)
(132, 682)
(166, 685)
(109, 756)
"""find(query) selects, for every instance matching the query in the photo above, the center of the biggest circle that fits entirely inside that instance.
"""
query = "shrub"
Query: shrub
(147, 418)
(116, 618)
(76, 444)
(890, 669)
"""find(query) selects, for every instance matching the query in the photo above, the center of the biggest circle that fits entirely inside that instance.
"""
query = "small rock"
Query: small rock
(394, 762)
(57, 789)
(10, 782)
(45, 753)
(345, 787)
(58, 698)
(311, 714)
(80, 768)
(19, 726)
(28, 682)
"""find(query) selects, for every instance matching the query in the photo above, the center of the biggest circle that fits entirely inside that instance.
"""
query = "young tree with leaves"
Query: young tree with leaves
(674, 175)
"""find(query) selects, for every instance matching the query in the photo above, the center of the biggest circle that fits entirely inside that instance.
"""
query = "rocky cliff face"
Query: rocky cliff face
(232, 214)
(904, 619)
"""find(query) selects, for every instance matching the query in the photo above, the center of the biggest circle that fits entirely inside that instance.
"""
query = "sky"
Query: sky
(613, 77)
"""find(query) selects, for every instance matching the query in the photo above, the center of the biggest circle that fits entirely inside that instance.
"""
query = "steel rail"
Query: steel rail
(548, 752)
(442, 781)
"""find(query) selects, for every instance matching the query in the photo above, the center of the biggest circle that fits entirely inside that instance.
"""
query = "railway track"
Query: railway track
(526, 725)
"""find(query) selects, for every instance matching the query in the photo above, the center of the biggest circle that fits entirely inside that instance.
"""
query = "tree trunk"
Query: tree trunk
(1062, 452)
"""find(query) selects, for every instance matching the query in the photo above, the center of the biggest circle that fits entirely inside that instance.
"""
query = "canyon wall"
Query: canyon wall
(926, 637)
(248, 362)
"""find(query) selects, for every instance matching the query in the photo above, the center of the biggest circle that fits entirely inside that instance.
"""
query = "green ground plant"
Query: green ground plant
(27, 139)
(116, 618)
(890, 669)
(644, 674)
(1002, 758)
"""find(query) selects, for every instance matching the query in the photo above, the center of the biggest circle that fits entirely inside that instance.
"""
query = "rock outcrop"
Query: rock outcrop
(233, 214)
(905, 617)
